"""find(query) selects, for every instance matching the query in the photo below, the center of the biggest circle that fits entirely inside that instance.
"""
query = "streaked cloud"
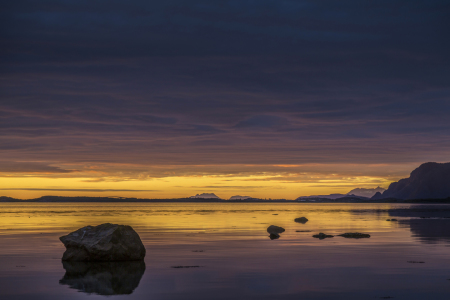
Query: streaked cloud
(334, 91)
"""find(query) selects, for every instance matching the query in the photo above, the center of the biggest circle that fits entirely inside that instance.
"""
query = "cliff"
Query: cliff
(429, 181)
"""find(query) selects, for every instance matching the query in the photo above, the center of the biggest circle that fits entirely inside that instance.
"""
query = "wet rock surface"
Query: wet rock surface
(106, 242)
(274, 231)
(322, 236)
(355, 235)
(103, 278)
(302, 220)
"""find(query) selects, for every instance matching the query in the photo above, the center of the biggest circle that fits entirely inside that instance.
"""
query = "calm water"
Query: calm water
(236, 257)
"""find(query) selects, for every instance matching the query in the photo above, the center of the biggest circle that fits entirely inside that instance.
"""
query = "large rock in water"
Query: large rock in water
(106, 242)
(429, 181)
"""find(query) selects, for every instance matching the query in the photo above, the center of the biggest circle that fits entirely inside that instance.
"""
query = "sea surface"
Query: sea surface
(230, 253)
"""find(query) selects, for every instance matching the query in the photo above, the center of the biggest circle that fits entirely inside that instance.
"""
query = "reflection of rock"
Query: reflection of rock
(274, 231)
(355, 235)
(274, 236)
(106, 242)
(302, 220)
(322, 236)
(103, 278)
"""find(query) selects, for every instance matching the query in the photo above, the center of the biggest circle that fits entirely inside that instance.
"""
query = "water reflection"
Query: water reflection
(274, 236)
(238, 261)
(430, 224)
(429, 231)
(103, 278)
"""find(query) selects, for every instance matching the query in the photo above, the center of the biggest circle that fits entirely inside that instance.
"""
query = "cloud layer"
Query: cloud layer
(90, 85)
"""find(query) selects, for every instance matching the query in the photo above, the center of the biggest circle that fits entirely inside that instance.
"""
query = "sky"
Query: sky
(271, 99)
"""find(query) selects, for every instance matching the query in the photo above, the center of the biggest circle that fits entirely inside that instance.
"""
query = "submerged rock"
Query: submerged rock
(103, 278)
(275, 231)
(106, 242)
(302, 220)
(355, 235)
(322, 236)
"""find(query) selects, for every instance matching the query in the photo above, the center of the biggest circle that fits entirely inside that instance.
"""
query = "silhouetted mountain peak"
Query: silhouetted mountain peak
(425, 169)
(205, 196)
(363, 192)
(429, 181)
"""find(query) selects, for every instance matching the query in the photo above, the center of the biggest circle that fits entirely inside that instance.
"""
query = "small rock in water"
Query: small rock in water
(355, 235)
(322, 236)
(106, 242)
(392, 220)
(302, 220)
(274, 231)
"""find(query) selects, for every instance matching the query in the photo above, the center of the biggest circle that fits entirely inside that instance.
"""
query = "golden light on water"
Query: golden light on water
(192, 217)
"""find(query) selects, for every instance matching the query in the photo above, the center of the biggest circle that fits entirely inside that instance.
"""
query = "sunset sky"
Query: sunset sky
(270, 99)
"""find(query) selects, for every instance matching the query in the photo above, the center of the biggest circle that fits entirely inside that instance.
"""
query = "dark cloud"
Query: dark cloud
(30, 167)
(225, 82)
(263, 122)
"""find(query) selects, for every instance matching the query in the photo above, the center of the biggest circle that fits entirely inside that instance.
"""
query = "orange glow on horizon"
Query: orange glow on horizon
(287, 186)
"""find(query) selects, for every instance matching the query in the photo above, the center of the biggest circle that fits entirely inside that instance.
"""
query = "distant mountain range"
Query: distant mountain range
(330, 196)
(366, 192)
(358, 192)
(214, 196)
(240, 197)
(205, 196)
(429, 181)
